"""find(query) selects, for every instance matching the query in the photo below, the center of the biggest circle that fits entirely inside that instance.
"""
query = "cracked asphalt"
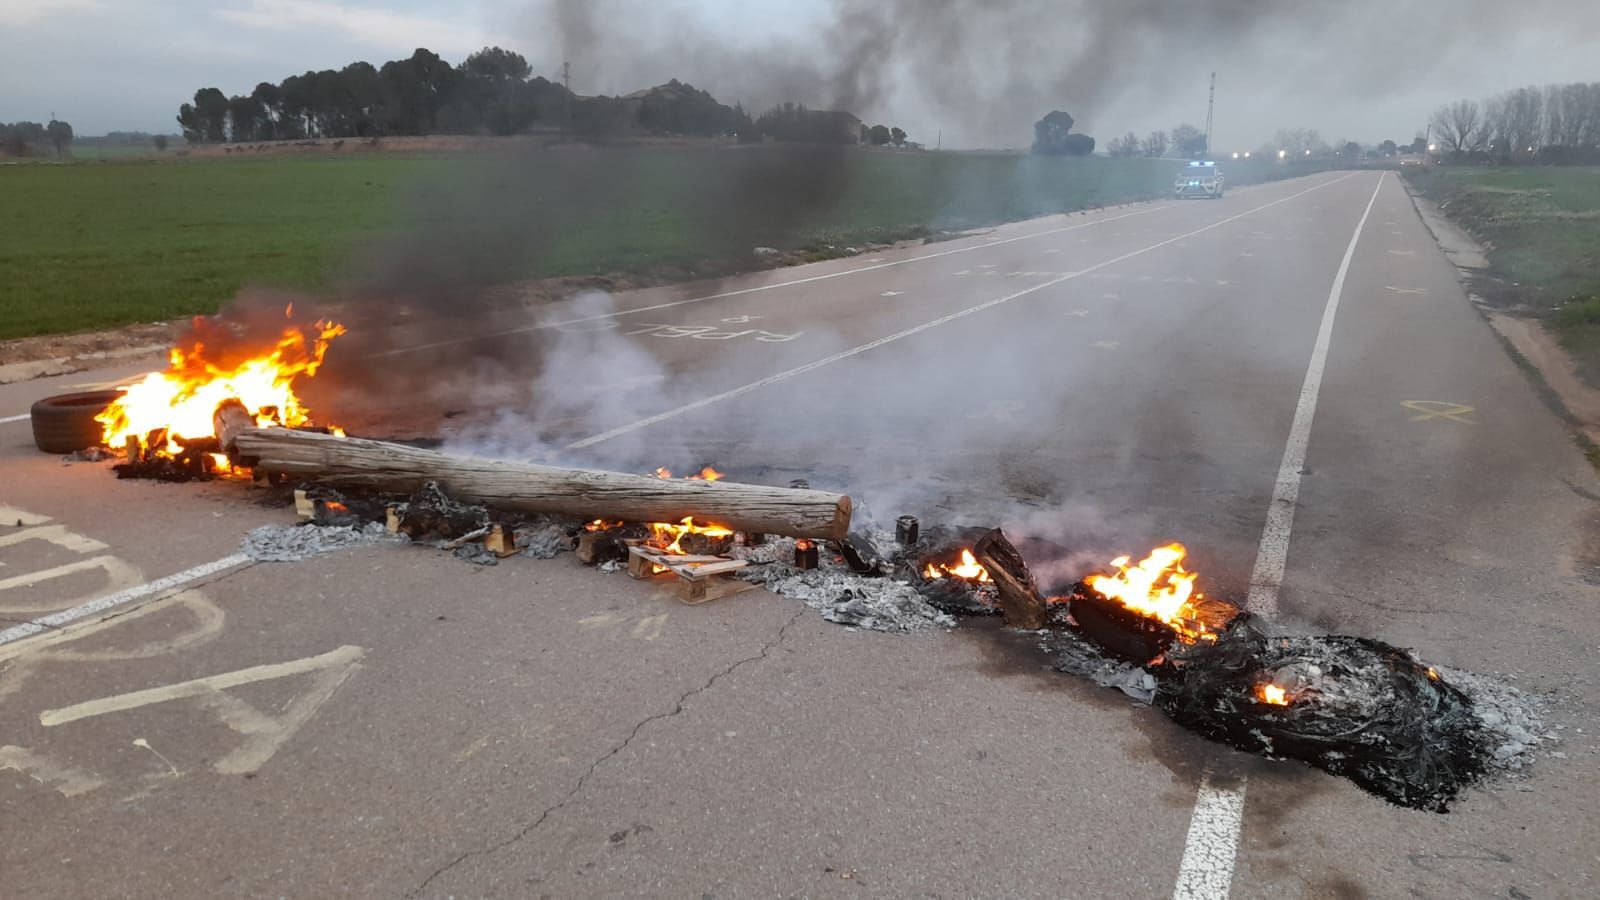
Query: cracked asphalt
(386, 721)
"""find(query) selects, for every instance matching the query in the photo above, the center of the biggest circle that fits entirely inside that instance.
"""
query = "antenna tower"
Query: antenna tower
(1211, 107)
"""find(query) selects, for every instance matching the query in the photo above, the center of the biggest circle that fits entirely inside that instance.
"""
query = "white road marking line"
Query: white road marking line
(15, 418)
(1208, 852)
(1213, 842)
(1267, 578)
(110, 601)
(814, 278)
(917, 329)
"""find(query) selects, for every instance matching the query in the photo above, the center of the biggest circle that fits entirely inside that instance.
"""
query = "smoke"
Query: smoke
(984, 70)
(962, 429)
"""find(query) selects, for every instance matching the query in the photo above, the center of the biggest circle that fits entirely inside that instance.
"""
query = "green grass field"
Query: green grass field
(105, 243)
(1543, 228)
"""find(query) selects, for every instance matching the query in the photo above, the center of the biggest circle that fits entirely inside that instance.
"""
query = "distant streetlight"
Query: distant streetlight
(1247, 154)
(1432, 147)
(1235, 155)
(1282, 153)
(1308, 152)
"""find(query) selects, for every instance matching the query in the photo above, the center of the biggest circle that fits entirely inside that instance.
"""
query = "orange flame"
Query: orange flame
(1158, 588)
(183, 398)
(969, 568)
(706, 474)
(1271, 693)
(602, 525)
(668, 538)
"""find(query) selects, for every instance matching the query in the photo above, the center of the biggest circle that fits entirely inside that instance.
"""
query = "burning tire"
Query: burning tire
(65, 423)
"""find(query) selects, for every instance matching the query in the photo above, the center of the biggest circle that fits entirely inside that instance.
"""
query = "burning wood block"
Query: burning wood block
(806, 556)
(1142, 610)
(1122, 632)
(1020, 601)
(523, 487)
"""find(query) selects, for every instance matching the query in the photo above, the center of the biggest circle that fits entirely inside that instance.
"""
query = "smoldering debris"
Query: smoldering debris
(839, 594)
(1354, 707)
(1351, 706)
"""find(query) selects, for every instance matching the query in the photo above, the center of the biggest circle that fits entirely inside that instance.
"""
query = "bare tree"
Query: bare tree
(1155, 144)
(1524, 117)
(1458, 126)
(1495, 124)
(1127, 145)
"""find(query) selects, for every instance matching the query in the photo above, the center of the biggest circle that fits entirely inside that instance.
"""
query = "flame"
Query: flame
(1158, 588)
(602, 525)
(1271, 693)
(968, 568)
(1433, 673)
(182, 399)
(668, 537)
(706, 474)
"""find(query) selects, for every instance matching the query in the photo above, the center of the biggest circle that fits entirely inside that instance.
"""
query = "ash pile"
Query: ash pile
(332, 520)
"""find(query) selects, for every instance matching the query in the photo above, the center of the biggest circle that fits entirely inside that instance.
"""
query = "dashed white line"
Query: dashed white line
(704, 402)
(1213, 841)
(111, 601)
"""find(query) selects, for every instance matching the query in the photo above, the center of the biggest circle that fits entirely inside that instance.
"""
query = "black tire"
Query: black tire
(65, 423)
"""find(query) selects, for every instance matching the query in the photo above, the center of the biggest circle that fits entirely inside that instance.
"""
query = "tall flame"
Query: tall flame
(1158, 587)
(183, 398)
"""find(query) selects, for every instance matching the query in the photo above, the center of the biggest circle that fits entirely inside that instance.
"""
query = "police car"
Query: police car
(1199, 179)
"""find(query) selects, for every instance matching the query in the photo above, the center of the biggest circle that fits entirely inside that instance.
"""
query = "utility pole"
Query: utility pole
(939, 141)
(1211, 107)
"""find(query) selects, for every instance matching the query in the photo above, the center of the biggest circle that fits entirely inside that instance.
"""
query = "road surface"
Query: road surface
(1289, 380)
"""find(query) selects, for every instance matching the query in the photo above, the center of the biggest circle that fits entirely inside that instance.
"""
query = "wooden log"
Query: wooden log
(1020, 601)
(524, 487)
(229, 421)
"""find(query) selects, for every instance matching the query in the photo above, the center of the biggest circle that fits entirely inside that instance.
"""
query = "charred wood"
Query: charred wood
(1020, 601)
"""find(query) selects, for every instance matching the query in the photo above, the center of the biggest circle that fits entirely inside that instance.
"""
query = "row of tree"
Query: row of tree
(1556, 123)
(1185, 141)
(492, 91)
(33, 139)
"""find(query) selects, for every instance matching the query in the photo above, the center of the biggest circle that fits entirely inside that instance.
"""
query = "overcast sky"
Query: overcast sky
(980, 72)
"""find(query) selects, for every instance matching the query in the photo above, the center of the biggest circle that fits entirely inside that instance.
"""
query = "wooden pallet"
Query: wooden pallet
(696, 579)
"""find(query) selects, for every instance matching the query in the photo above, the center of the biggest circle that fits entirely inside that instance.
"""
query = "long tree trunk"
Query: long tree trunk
(524, 487)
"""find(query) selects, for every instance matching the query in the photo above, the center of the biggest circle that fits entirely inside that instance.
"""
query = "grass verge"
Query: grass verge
(104, 244)
(1542, 229)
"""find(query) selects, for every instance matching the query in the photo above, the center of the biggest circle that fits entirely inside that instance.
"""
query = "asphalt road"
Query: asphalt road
(386, 722)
